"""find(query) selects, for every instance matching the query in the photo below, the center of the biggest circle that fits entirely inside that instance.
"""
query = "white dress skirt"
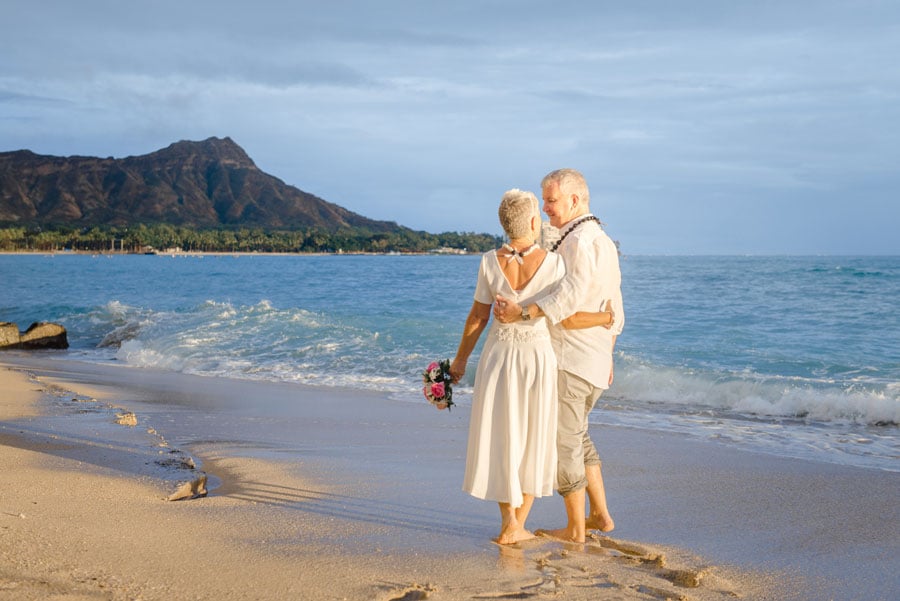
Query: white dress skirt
(512, 431)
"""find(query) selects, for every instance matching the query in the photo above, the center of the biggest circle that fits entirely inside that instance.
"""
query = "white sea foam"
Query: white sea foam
(133, 352)
(755, 394)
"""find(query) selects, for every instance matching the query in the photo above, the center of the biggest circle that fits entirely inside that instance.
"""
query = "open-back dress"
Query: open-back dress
(512, 431)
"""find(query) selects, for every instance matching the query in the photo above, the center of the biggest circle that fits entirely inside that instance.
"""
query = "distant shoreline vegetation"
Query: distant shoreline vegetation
(162, 237)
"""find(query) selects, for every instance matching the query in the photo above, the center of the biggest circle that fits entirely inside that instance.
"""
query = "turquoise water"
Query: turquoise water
(797, 356)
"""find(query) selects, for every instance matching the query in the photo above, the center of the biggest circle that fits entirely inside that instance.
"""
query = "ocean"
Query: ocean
(793, 356)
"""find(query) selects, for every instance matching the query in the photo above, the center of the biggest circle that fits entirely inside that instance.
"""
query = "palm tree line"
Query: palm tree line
(142, 237)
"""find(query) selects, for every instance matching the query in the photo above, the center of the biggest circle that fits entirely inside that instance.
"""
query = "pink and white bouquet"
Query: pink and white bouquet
(438, 387)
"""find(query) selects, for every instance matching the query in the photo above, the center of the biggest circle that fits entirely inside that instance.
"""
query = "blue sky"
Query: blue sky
(760, 127)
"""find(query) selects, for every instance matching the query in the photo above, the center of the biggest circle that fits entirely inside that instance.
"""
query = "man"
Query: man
(584, 356)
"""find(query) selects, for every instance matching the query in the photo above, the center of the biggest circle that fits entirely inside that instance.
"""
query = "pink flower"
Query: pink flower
(437, 389)
(434, 371)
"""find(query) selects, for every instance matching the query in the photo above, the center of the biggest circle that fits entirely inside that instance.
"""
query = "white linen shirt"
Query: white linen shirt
(592, 278)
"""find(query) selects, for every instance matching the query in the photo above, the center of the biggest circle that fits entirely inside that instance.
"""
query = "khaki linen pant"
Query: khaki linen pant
(576, 399)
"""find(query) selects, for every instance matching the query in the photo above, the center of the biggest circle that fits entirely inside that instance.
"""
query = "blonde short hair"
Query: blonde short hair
(516, 210)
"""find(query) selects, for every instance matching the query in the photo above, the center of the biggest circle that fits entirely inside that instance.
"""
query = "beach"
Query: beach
(320, 493)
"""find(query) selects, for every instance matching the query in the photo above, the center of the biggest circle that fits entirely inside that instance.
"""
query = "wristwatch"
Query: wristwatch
(525, 314)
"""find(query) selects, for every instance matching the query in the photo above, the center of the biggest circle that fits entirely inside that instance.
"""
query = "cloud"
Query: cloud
(403, 110)
(11, 97)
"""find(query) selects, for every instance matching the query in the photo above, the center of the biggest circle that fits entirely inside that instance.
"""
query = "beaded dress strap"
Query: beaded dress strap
(518, 256)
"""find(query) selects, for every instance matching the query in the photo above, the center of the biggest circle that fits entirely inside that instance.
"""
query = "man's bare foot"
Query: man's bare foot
(601, 523)
(562, 534)
(513, 536)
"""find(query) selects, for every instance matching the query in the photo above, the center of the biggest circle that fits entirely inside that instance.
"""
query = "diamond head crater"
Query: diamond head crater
(206, 196)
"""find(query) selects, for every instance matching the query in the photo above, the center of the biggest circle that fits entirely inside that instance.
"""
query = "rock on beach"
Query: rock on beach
(39, 335)
(9, 335)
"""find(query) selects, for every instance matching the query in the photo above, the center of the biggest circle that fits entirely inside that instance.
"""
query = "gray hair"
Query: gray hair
(516, 210)
(569, 181)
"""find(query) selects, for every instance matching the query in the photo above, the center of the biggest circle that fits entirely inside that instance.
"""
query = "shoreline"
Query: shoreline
(225, 253)
(312, 498)
(423, 253)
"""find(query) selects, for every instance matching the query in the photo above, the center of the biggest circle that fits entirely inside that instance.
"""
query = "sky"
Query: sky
(702, 126)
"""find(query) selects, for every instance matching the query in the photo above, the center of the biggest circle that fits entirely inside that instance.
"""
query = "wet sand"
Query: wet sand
(341, 494)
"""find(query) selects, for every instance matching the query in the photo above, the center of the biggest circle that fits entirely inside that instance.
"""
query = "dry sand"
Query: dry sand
(83, 515)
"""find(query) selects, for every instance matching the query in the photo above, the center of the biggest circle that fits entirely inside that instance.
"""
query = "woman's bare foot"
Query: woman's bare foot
(603, 523)
(512, 536)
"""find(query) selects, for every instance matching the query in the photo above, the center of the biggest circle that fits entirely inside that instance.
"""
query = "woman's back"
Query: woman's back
(518, 268)
(500, 273)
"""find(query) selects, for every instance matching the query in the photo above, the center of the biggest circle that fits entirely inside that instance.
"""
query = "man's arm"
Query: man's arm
(582, 268)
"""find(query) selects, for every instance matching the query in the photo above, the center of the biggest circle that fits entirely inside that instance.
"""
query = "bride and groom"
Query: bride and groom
(545, 362)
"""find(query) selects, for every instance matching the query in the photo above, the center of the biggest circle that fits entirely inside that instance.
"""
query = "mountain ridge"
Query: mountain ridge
(201, 184)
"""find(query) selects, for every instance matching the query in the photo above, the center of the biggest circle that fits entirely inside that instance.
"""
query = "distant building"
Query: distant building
(549, 235)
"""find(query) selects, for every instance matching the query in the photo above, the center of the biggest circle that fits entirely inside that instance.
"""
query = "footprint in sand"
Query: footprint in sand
(413, 592)
(656, 562)
(126, 419)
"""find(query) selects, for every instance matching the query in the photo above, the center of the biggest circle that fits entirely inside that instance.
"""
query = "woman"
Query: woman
(511, 455)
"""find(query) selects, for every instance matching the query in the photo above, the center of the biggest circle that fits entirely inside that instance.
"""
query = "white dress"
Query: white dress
(512, 432)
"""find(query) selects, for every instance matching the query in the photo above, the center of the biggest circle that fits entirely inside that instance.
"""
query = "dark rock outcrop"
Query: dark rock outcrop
(197, 184)
(39, 335)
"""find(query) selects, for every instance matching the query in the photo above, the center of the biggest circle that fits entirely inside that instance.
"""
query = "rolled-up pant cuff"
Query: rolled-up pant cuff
(565, 491)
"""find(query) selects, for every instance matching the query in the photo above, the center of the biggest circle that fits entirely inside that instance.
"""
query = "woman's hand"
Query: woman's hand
(612, 315)
(506, 311)
(457, 369)
(591, 319)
